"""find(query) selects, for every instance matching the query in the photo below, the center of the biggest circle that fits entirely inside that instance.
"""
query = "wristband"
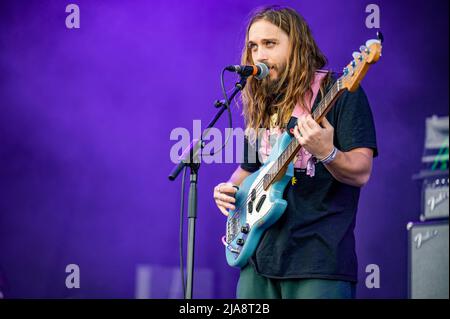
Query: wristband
(330, 157)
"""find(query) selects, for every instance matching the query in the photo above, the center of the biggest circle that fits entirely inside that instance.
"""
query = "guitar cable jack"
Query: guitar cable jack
(224, 241)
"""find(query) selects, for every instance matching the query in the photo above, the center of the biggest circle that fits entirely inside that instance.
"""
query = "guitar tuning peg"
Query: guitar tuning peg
(372, 41)
(345, 70)
(380, 36)
(356, 55)
(363, 48)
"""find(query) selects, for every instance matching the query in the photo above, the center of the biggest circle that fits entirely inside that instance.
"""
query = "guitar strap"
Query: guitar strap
(303, 160)
(315, 86)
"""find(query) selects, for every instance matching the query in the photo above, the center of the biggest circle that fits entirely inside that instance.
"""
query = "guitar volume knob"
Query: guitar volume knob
(245, 229)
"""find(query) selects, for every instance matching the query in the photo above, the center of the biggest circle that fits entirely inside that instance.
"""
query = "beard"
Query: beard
(272, 90)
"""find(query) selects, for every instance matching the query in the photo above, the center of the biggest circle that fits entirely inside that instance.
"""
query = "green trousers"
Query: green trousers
(254, 286)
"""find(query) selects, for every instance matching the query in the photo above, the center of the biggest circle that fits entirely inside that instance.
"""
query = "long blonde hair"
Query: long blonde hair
(294, 83)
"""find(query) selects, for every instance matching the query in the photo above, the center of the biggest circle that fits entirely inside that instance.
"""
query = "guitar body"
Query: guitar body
(256, 209)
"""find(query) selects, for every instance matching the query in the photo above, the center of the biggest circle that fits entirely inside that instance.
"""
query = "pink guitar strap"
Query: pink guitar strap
(304, 159)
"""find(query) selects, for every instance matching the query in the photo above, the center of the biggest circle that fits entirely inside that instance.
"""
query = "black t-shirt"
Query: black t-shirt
(314, 237)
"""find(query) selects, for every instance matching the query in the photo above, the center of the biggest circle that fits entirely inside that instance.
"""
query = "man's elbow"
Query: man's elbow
(363, 179)
(361, 163)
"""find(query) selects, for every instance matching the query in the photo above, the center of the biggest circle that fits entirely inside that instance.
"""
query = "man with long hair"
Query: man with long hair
(310, 251)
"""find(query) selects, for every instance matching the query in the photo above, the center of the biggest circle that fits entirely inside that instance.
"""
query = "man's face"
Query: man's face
(270, 45)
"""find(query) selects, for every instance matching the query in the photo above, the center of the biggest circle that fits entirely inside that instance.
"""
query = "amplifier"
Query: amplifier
(428, 265)
(435, 197)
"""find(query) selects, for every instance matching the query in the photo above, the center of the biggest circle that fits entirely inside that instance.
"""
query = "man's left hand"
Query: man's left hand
(316, 139)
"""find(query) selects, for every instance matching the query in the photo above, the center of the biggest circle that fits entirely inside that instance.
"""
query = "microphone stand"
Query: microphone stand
(190, 158)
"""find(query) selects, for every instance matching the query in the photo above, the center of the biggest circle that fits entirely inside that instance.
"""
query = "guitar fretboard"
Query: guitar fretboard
(294, 146)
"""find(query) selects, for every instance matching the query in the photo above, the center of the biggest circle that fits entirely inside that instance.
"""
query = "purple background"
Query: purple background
(86, 116)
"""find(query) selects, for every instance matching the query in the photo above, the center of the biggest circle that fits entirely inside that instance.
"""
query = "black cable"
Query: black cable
(222, 84)
(181, 231)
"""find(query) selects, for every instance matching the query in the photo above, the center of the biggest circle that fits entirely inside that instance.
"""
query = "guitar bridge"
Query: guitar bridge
(232, 229)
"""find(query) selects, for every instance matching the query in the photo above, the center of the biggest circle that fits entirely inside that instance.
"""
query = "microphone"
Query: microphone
(260, 70)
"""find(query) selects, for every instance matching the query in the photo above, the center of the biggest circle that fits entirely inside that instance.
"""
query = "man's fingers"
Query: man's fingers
(223, 210)
(225, 204)
(227, 188)
(311, 123)
(226, 198)
(303, 129)
(223, 197)
(296, 132)
(326, 123)
(297, 135)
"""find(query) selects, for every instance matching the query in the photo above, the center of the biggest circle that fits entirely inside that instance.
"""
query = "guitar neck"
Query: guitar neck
(325, 105)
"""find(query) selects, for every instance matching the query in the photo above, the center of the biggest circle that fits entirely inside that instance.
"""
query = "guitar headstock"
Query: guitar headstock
(355, 71)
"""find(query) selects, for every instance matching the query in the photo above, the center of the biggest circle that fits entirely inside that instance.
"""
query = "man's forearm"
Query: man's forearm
(238, 176)
(352, 168)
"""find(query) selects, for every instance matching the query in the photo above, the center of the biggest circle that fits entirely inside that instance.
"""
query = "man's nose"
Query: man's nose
(261, 56)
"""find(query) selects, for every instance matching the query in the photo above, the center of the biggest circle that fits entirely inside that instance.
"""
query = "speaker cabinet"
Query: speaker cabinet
(428, 260)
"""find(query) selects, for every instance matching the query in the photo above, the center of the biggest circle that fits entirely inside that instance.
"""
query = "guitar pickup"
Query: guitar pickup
(253, 195)
(250, 207)
(260, 203)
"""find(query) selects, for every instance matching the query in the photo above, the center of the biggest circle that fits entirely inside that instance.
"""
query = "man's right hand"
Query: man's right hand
(224, 196)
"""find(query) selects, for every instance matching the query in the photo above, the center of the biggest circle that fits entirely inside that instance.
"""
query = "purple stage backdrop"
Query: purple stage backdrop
(85, 125)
